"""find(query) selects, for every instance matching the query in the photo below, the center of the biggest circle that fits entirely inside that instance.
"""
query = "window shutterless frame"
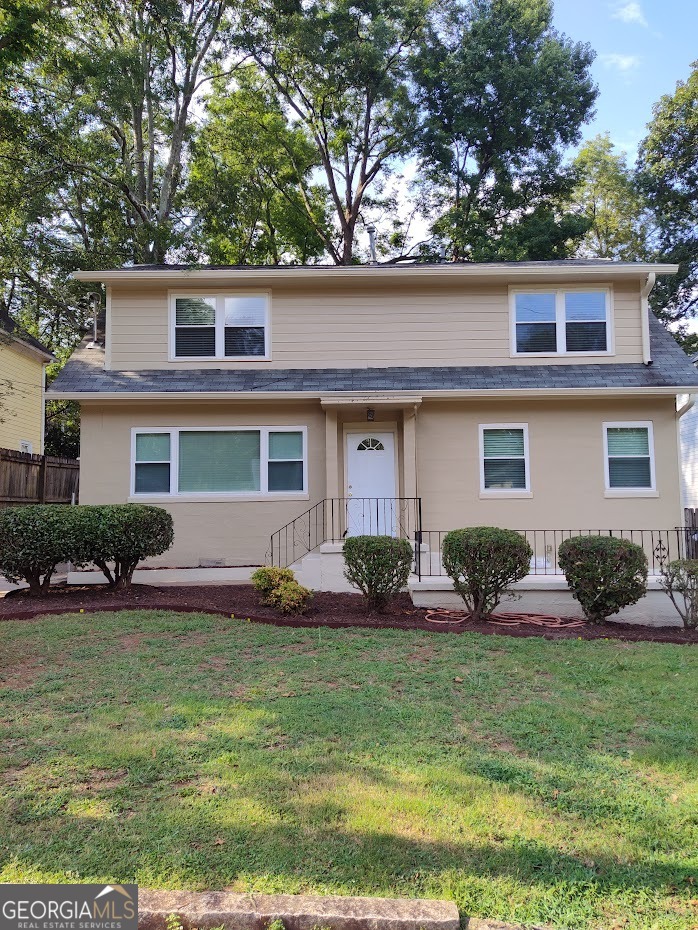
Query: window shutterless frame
(560, 320)
(505, 492)
(174, 493)
(220, 297)
(650, 491)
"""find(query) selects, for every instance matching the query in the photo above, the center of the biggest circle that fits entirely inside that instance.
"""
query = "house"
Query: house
(274, 410)
(23, 361)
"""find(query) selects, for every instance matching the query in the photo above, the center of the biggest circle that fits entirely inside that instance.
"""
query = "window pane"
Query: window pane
(629, 473)
(536, 337)
(153, 447)
(628, 440)
(503, 442)
(285, 445)
(153, 479)
(285, 476)
(586, 337)
(195, 341)
(245, 311)
(195, 311)
(505, 473)
(535, 308)
(244, 340)
(219, 461)
(581, 306)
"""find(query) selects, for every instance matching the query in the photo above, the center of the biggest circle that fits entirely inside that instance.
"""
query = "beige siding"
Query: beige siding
(323, 327)
(566, 467)
(21, 404)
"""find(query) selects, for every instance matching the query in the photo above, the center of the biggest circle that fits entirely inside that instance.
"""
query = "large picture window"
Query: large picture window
(561, 322)
(182, 462)
(504, 467)
(629, 457)
(233, 326)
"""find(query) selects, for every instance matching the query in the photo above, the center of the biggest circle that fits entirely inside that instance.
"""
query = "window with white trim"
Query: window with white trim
(629, 454)
(504, 457)
(233, 326)
(181, 461)
(561, 322)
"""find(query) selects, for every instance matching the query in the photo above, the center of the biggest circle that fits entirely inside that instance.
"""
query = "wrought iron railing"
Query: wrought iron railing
(333, 519)
(659, 546)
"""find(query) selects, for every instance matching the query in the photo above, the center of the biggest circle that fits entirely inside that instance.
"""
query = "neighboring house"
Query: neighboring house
(23, 361)
(688, 433)
(532, 395)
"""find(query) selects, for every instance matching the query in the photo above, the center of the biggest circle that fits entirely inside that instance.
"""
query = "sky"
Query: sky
(643, 48)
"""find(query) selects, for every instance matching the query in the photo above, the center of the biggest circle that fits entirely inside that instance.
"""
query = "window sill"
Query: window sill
(562, 354)
(219, 358)
(215, 498)
(493, 495)
(631, 492)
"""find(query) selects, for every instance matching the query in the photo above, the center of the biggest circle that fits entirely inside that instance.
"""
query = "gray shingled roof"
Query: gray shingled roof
(672, 368)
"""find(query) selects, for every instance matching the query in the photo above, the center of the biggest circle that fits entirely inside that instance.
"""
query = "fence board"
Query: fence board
(37, 479)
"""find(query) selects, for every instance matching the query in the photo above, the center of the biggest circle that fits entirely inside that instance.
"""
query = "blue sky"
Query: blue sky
(643, 48)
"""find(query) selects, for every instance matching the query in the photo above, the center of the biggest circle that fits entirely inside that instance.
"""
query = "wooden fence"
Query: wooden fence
(37, 479)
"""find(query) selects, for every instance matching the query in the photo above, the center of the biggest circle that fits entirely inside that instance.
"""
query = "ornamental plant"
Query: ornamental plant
(604, 573)
(680, 581)
(266, 580)
(378, 566)
(290, 597)
(34, 539)
(483, 562)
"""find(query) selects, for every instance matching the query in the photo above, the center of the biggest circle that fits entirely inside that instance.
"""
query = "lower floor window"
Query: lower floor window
(629, 456)
(504, 457)
(219, 461)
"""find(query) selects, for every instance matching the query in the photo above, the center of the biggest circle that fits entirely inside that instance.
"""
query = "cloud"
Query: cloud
(622, 63)
(630, 12)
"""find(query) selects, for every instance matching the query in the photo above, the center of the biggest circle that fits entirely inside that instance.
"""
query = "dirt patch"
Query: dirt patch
(328, 609)
(21, 675)
(131, 641)
(102, 780)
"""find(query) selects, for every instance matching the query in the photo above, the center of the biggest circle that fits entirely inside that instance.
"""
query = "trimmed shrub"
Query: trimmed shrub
(266, 580)
(483, 562)
(604, 573)
(116, 537)
(680, 581)
(378, 566)
(34, 539)
(290, 597)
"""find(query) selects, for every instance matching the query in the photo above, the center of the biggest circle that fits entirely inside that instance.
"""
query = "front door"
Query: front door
(371, 484)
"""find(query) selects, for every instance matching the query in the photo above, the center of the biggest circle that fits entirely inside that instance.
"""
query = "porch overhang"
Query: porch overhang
(396, 401)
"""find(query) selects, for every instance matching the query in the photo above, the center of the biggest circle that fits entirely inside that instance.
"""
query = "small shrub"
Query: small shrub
(290, 597)
(265, 580)
(680, 581)
(483, 562)
(604, 573)
(378, 566)
(34, 539)
(116, 537)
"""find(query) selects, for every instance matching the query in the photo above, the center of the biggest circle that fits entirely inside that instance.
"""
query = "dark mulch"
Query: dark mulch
(327, 609)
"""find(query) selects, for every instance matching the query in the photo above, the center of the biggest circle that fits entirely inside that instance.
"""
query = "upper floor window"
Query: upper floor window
(561, 322)
(220, 326)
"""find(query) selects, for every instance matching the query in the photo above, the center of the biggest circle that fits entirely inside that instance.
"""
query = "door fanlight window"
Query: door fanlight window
(370, 445)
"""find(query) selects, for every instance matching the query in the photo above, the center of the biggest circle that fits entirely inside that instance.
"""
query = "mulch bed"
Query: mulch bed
(327, 609)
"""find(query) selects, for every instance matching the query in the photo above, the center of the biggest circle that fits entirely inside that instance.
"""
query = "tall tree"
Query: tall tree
(339, 67)
(502, 93)
(607, 194)
(668, 171)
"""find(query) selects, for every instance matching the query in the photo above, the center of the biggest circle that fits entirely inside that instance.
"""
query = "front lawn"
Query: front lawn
(552, 782)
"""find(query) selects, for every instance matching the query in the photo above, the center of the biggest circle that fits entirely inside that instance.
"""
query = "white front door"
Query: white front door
(371, 484)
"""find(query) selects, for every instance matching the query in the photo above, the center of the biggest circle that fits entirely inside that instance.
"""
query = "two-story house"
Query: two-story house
(23, 361)
(322, 401)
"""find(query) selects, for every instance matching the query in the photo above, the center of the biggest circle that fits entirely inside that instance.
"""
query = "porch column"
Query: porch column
(409, 443)
(331, 460)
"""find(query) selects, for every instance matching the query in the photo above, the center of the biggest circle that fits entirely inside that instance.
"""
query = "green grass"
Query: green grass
(557, 782)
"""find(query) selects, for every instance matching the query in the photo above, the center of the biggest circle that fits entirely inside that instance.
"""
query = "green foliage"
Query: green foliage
(379, 566)
(604, 573)
(483, 562)
(34, 539)
(490, 142)
(680, 581)
(289, 597)
(266, 579)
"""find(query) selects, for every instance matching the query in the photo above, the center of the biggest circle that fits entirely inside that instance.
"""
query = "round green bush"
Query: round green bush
(290, 597)
(483, 562)
(265, 580)
(34, 539)
(604, 573)
(378, 566)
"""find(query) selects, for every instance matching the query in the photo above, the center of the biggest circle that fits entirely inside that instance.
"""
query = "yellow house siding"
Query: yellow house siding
(21, 400)
(324, 326)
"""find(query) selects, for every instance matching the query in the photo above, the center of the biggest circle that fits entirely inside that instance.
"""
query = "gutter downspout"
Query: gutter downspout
(686, 407)
(645, 292)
